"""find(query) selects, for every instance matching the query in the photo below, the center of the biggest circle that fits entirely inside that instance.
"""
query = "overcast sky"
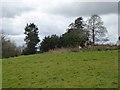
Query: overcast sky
(54, 16)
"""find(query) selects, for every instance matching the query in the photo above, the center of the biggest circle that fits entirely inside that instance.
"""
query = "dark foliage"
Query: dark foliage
(50, 42)
(73, 38)
(76, 35)
(31, 39)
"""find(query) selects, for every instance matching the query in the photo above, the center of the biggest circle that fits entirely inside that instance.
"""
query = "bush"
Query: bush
(74, 50)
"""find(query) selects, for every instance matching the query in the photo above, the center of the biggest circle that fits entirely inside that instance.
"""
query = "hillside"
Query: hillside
(88, 69)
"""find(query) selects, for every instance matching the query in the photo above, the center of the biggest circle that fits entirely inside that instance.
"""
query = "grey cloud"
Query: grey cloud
(12, 9)
(119, 18)
(85, 8)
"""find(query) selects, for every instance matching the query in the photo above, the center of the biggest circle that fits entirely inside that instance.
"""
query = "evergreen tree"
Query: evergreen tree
(31, 39)
(49, 42)
(76, 34)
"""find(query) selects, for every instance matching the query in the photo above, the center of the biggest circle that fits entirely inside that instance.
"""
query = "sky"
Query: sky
(54, 16)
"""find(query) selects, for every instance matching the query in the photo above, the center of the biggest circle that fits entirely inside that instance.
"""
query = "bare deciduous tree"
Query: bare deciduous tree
(96, 28)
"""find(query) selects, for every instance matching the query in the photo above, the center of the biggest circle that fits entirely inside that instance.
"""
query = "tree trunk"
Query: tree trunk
(93, 31)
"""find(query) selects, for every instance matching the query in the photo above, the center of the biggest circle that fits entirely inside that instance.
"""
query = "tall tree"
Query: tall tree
(32, 39)
(96, 28)
(76, 34)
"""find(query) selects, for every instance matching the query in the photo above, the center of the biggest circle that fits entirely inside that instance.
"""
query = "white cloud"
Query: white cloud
(47, 24)
(18, 39)
(111, 23)
(13, 26)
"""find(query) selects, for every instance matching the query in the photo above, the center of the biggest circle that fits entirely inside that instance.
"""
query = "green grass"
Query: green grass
(92, 69)
(0, 73)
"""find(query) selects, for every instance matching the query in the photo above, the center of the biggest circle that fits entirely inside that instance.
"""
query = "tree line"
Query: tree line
(9, 48)
(77, 33)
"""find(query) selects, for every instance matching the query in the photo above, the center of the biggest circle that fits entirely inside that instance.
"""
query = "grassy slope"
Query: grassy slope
(0, 73)
(76, 70)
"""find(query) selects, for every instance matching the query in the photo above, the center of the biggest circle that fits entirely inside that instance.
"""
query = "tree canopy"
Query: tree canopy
(76, 34)
(96, 28)
(49, 42)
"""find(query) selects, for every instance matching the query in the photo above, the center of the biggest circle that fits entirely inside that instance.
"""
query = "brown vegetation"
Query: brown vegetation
(96, 47)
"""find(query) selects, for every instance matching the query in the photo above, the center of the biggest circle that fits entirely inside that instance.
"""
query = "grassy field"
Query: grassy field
(92, 69)
(0, 73)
